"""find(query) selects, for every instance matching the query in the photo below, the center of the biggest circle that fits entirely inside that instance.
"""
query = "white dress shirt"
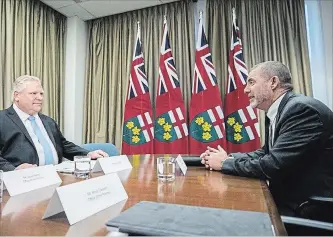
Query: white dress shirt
(271, 114)
(27, 123)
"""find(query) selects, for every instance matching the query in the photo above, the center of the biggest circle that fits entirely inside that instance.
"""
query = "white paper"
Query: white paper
(181, 164)
(112, 164)
(83, 199)
(68, 166)
(26, 180)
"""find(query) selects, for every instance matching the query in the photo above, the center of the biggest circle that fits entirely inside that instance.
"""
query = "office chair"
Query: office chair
(109, 148)
(313, 217)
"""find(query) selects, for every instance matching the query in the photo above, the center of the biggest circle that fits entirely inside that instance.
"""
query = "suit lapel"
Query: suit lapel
(48, 129)
(16, 119)
(283, 103)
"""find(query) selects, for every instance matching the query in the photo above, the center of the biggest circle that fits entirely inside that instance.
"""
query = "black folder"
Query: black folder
(161, 219)
(192, 161)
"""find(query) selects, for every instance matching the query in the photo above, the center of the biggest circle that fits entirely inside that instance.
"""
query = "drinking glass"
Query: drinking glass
(166, 168)
(82, 166)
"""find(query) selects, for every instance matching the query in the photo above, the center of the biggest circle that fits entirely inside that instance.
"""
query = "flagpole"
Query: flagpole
(233, 15)
(139, 35)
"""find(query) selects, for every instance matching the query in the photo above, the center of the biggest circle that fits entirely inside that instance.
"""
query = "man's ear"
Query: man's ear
(16, 96)
(275, 82)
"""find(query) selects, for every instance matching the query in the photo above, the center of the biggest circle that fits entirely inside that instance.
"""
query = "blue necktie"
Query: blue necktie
(42, 140)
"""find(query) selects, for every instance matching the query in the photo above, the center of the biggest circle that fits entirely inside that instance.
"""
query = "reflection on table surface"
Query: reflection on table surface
(22, 215)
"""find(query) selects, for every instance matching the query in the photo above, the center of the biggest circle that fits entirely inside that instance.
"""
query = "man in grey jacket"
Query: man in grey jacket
(29, 138)
(297, 158)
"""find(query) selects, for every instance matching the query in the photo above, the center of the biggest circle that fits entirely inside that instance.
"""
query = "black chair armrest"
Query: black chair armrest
(307, 223)
(321, 199)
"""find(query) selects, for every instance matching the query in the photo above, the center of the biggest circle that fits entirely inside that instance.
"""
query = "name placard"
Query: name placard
(24, 200)
(83, 199)
(26, 180)
(181, 164)
(112, 164)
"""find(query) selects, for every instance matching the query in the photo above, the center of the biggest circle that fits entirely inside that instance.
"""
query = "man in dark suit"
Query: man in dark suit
(29, 138)
(297, 158)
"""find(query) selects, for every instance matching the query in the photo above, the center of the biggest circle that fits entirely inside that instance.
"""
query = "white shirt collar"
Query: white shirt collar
(272, 111)
(23, 116)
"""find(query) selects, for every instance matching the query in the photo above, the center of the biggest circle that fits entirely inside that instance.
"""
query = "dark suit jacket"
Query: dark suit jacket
(17, 147)
(300, 162)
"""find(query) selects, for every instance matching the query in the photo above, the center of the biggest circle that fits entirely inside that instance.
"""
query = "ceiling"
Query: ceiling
(91, 9)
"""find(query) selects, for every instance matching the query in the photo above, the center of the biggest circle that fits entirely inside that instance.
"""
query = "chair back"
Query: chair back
(109, 148)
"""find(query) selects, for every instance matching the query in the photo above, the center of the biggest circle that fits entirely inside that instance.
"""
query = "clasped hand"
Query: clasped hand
(212, 158)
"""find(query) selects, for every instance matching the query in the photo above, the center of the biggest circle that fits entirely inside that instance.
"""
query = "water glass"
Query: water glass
(1, 185)
(166, 168)
(82, 166)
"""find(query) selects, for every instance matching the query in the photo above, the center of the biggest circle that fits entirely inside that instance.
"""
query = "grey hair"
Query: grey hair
(278, 69)
(21, 82)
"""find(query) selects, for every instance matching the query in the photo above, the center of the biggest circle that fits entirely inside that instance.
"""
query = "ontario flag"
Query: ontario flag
(138, 128)
(171, 133)
(241, 120)
(206, 116)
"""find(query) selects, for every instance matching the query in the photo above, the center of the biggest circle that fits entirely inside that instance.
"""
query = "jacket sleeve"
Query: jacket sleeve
(69, 148)
(5, 165)
(301, 132)
(254, 155)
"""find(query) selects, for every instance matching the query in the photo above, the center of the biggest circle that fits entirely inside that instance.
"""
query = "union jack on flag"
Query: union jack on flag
(138, 83)
(204, 71)
(207, 126)
(168, 78)
(138, 130)
(242, 127)
(171, 133)
(237, 70)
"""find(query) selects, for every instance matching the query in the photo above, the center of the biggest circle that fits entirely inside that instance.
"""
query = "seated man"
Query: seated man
(29, 138)
(297, 158)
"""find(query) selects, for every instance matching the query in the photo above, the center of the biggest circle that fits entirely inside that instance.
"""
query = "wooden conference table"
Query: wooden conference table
(22, 214)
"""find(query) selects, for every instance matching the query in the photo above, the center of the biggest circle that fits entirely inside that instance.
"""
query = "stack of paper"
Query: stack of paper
(68, 166)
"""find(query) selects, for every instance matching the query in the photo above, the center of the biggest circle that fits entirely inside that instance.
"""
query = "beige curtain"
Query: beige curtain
(270, 30)
(32, 41)
(110, 51)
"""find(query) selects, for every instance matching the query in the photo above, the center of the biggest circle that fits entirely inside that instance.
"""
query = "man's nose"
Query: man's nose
(39, 96)
(246, 90)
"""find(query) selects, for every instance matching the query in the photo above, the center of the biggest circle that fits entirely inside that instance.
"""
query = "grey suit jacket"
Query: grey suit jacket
(17, 147)
(300, 162)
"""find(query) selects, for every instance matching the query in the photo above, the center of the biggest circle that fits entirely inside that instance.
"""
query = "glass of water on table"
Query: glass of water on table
(166, 168)
(82, 166)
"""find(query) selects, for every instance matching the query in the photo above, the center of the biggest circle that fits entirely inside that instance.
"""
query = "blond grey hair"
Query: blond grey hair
(276, 68)
(21, 82)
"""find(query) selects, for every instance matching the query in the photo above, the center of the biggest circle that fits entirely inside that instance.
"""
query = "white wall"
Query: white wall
(76, 45)
(319, 29)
